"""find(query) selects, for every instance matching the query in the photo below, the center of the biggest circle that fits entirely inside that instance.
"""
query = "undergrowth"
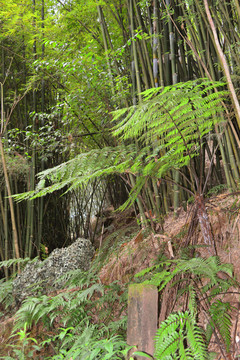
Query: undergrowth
(200, 319)
(87, 319)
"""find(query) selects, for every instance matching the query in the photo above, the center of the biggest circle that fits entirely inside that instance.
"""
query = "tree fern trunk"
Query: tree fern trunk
(205, 224)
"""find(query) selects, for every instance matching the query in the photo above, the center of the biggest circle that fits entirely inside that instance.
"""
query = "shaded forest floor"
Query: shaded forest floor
(123, 249)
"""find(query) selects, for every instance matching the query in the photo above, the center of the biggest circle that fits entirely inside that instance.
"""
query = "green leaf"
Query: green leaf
(142, 353)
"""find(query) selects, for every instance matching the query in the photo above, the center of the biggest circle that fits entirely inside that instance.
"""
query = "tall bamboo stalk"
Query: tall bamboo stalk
(6, 177)
(40, 212)
(102, 23)
(224, 64)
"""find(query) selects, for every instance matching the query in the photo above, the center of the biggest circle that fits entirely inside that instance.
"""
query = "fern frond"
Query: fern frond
(31, 311)
(83, 168)
(209, 331)
(179, 114)
(10, 262)
(196, 339)
(6, 296)
(168, 124)
(221, 317)
(171, 337)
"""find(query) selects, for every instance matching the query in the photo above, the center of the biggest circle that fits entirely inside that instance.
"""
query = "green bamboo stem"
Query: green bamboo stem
(137, 72)
(226, 38)
(144, 48)
(207, 46)
(9, 193)
(233, 154)
(160, 62)
(176, 175)
(155, 45)
(18, 219)
(40, 211)
(119, 19)
(8, 188)
(236, 3)
(224, 64)
(214, 167)
(143, 68)
(193, 44)
(101, 19)
(231, 30)
(4, 246)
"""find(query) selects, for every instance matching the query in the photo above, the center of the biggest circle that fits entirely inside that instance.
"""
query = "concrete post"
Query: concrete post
(142, 317)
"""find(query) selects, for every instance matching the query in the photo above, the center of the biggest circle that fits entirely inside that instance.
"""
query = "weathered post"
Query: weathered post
(142, 317)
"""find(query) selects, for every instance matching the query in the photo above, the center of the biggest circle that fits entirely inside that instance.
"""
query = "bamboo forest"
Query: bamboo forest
(120, 125)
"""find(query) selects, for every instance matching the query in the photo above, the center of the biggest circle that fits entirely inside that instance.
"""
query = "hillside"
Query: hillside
(124, 250)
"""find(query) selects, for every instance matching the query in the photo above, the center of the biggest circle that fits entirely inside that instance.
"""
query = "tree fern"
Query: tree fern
(83, 168)
(168, 125)
(174, 118)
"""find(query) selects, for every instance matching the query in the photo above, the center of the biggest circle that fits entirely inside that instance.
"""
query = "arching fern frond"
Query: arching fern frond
(11, 262)
(174, 117)
(179, 337)
(83, 168)
(208, 269)
(167, 126)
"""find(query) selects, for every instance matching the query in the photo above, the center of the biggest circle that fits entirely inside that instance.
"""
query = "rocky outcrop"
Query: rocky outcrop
(42, 275)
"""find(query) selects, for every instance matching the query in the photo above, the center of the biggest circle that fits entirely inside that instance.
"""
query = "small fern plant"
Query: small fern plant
(202, 285)
(81, 318)
(177, 330)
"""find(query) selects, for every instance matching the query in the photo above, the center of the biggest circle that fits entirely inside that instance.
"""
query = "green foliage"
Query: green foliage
(203, 268)
(169, 125)
(221, 319)
(83, 315)
(26, 347)
(88, 346)
(173, 334)
(205, 282)
(65, 304)
(217, 190)
(11, 262)
(171, 122)
(69, 344)
(46, 140)
(6, 298)
(17, 168)
(141, 353)
(81, 169)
